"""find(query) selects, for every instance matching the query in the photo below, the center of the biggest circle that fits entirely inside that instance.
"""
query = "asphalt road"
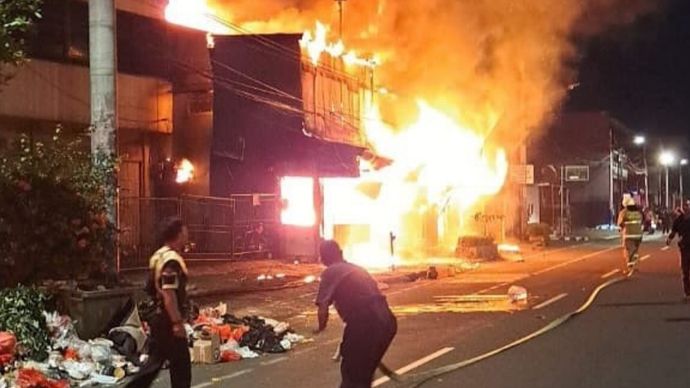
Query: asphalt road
(635, 334)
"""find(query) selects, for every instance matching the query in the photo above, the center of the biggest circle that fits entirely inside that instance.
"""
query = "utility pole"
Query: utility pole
(562, 223)
(683, 163)
(340, 13)
(103, 84)
(667, 196)
(612, 209)
(640, 140)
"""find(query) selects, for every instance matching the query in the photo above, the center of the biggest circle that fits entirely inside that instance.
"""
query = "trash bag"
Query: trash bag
(31, 378)
(124, 344)
(262, 339)
(128, 335)
(8, 347)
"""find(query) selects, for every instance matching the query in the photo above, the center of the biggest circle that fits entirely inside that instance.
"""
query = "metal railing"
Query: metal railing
(219, 228)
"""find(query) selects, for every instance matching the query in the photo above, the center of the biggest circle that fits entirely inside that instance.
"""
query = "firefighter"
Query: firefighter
(681, 227)
(167, 286)
(630, 222)
(369, 323)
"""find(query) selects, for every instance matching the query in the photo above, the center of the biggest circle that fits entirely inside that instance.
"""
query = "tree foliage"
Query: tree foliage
(16, 20)
(21, 312)
(53, 223)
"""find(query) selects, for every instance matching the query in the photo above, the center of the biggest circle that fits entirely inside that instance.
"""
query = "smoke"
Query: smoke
(497, 66)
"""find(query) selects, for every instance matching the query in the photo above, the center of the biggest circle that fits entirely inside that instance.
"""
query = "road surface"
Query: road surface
(636, 334)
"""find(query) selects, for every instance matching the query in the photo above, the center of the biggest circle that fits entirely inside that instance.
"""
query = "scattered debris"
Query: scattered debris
(517, 294)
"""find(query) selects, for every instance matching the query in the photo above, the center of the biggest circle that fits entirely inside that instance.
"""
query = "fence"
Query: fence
(219, 228)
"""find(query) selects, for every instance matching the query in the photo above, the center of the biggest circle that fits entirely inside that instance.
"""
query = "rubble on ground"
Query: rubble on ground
(215, 335)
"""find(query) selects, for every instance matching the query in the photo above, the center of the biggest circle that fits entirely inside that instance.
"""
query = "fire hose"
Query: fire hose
(418, 379)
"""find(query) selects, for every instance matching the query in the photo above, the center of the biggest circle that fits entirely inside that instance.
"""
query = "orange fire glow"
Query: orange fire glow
(441, 171)
(316, 43)
(194, 14)
(185, 171)
(297, 194)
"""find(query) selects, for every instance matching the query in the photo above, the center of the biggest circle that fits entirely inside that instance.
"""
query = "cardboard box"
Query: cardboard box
(206, 351)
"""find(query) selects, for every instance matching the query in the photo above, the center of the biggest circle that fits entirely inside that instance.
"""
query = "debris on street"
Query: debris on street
(39, 348)
(218, 336)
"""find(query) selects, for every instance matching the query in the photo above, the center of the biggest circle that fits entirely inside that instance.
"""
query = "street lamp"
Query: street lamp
(666, 158)
(640, 141)
(683, 162)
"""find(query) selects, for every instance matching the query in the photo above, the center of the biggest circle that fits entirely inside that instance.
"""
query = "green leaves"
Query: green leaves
(52, 222)
(16, 20)
(21, 312)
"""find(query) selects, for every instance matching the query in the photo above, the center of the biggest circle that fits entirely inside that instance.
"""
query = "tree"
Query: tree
(16, 19)
(53, 223)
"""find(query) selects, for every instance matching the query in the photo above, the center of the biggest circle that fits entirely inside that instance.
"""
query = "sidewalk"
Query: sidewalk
(237, 277)
(209, 279)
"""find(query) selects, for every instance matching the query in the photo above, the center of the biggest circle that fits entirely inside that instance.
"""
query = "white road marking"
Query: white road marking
(414, 364)
(498, 286)
(555, 250)
(575, 260)
(221, 378)
(645, 257)
(275, 361)
(666, 248)
(610, 273)
(550, 301)
(545, 270)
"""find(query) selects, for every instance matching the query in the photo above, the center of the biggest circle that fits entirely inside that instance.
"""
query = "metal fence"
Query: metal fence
(219, 228)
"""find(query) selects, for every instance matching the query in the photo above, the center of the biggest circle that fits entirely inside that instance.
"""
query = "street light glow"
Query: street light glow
(666, 158)
(683, 162)
(639, 140)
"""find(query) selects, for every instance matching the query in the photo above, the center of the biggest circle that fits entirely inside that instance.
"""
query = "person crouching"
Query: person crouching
(370, 326)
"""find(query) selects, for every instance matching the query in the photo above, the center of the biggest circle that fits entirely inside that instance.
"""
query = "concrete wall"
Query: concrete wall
(58, 92)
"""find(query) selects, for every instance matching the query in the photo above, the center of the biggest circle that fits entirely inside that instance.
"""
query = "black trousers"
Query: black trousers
(685, 268)
(365, 341)
(165, 347)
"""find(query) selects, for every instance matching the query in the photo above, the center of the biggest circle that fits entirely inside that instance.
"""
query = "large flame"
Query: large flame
(440, 172)
(194, 14)
(454, 68)
(316, 43)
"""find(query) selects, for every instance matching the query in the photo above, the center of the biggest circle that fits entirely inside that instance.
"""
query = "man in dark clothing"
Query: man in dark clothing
(369, 324)
(167, 286)
(681, 227)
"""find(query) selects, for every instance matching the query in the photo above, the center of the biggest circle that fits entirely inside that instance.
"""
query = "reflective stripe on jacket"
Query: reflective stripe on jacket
(631, 223)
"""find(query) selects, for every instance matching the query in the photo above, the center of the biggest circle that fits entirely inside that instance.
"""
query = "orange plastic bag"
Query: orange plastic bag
(31, 378)
(227, 332)
(71, 354)
(6, 359)
(8, 342)
(229, 356)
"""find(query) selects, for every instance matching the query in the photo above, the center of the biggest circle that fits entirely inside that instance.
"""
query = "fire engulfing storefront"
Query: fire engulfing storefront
(298, 116)
(281, 123)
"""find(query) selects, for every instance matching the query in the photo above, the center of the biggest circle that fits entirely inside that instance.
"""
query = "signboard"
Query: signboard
(576, 173)
(522, 174)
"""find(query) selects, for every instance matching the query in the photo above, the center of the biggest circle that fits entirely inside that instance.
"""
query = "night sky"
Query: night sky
(640, 73)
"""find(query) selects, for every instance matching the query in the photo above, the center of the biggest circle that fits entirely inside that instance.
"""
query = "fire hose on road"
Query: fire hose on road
(418, 379)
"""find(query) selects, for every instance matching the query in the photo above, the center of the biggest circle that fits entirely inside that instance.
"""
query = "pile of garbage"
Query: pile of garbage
(42, 349)
(69, 358)
(217, 336)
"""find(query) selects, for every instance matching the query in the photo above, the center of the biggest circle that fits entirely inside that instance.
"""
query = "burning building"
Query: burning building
(446, 105)
(282, 123)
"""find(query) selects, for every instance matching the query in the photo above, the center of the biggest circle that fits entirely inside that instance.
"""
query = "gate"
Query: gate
(219, 228)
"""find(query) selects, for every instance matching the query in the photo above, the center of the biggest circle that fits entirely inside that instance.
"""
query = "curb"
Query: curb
(570, 238)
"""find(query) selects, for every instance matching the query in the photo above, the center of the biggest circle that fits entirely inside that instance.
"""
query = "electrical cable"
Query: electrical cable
(419, 379)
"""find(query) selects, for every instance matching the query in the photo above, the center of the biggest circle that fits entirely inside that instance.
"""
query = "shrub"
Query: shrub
(21, 312)
(53, 223)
